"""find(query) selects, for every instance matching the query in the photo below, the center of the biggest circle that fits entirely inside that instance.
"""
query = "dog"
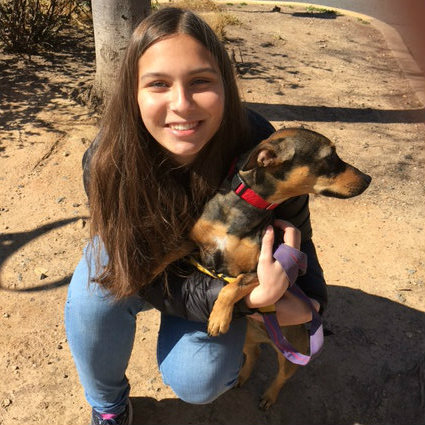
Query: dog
(290, 162)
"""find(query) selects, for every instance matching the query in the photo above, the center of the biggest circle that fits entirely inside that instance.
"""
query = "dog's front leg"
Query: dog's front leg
(221, 314)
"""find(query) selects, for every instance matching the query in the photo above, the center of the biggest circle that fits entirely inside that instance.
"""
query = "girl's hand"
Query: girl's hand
(272, 277)
(291, 235)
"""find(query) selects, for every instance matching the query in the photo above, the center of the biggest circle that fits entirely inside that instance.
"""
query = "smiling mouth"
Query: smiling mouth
(184, 126)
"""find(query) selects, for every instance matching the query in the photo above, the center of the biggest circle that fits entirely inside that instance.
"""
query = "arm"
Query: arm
(189, 296)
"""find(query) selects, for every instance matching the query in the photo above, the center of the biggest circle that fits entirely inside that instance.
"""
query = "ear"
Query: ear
(262, 156)
(266, 158)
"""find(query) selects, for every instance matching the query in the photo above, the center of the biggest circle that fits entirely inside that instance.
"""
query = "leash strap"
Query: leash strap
(269, 313)
(294, 262)
(285, 347)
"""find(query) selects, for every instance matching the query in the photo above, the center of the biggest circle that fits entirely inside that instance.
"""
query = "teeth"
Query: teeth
(184, 126)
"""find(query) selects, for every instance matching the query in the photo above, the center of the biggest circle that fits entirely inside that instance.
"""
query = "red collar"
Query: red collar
(247, 194)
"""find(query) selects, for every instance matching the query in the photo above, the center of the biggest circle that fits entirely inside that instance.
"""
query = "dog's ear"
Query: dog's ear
(262, 156)
(266, 157)
(269, 155)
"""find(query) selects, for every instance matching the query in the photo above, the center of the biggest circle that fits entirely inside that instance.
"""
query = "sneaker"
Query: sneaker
(124, 418)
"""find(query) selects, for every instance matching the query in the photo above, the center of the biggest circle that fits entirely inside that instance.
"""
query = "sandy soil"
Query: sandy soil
(332, 74)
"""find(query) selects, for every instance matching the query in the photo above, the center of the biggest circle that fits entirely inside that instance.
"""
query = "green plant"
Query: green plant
(27, 26)
(363, 21)
(314, 9)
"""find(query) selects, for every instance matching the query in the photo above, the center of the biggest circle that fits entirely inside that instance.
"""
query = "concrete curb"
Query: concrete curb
(408, 65)
(395, 43)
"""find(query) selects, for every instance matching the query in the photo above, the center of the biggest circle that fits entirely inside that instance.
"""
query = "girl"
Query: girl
(171, 131)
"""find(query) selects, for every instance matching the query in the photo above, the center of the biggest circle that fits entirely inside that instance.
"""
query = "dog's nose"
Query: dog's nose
(367, 179)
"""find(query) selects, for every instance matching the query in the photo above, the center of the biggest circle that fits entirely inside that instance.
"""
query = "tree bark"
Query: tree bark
(113, 23)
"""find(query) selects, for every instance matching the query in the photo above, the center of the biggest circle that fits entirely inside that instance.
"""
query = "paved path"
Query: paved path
(406, 16)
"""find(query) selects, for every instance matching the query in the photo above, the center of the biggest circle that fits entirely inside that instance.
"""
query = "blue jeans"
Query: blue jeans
(101, 332)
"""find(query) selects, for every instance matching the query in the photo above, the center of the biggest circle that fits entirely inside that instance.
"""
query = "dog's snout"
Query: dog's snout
(350, 183)
(367, 179)
(363, 184)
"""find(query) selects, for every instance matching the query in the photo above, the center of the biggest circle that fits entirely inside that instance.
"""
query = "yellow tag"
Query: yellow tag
(267, 309)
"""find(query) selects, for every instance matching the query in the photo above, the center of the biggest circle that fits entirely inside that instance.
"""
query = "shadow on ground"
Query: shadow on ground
(10, 243)
(284, 112)
(371, 371)
(33, 84)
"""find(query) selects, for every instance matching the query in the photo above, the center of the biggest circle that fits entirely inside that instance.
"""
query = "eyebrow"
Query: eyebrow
(164, 74)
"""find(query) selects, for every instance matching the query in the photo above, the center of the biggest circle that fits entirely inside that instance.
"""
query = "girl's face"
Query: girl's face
(180, 95)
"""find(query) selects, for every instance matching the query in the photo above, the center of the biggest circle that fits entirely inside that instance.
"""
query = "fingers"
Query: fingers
(291, 235)
(266, 253)
(282, 224)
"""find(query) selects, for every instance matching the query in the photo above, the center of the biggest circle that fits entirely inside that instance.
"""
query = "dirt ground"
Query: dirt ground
(333, 74)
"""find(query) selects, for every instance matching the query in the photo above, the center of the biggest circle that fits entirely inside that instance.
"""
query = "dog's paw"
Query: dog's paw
(217, 327)
(219, 320)
(268, 399)
(265, 403)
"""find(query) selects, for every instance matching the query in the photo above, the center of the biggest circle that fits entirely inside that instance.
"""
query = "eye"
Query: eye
(158, 84)
(200, 82)
(334, 164)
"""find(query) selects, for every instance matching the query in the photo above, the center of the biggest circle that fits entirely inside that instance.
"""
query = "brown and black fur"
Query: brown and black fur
(291, 162)
(255, 336)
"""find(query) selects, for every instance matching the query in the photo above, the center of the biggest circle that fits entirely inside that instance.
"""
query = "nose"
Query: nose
(367, 178)
(181, 99)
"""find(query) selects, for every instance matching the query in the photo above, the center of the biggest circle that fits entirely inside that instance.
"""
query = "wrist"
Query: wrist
(262, 296)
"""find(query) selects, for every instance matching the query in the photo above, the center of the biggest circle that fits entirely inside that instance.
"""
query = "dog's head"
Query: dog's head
(297, 161)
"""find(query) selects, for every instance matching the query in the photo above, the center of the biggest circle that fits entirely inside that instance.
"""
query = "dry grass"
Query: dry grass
(212, 13)
(198, 5)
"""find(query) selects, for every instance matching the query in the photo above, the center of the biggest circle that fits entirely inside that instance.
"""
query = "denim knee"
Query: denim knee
(197, 367)
(195, 388)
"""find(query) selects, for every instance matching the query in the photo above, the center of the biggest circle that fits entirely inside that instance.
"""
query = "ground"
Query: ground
(333, 74)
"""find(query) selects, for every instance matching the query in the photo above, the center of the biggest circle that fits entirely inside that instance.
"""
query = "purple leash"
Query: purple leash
(294, 262)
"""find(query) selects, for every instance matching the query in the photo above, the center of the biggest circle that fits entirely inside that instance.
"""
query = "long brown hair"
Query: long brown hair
(142, 203)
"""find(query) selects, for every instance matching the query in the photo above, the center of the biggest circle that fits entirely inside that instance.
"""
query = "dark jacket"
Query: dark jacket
(192, 293)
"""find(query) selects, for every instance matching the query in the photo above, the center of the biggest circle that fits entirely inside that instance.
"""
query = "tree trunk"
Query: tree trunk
(113, 23)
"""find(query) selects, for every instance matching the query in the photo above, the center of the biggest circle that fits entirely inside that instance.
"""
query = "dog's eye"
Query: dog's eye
(332, 156)
(331, 165)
